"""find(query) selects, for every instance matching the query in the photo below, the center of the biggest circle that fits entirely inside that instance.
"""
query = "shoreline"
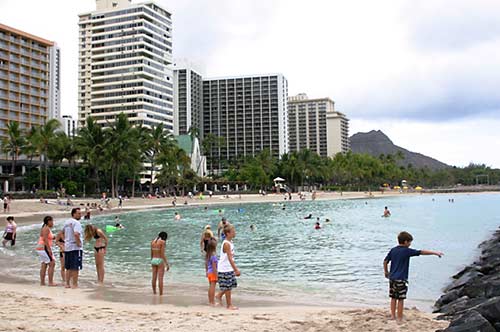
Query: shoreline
(34, 210)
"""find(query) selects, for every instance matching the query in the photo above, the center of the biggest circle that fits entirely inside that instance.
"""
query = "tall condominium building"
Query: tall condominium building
(125, 51)
(29, 79)
(69, 125)
(249, 112)
(315, 125)
(188, 96)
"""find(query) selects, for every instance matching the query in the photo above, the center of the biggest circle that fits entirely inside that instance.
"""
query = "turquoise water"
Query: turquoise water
(285, 257)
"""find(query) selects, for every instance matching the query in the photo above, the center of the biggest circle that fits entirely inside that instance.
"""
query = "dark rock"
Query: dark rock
(455, 306)
(490, 310)
(471, 321)
(492, 289)
(465, 278)
(496, 326)
(476, 288)
(447, 298)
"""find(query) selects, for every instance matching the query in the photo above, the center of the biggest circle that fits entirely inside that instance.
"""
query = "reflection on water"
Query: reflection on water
(286, 258)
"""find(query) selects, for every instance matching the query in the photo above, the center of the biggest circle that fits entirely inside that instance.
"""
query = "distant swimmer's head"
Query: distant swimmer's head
(385, 208)
(163, 236)
(405, 239)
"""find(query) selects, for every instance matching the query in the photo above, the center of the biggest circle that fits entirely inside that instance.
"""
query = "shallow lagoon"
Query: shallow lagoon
(286, 258)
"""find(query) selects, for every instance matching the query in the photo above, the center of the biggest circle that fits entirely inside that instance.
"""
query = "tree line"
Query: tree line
(114, 158)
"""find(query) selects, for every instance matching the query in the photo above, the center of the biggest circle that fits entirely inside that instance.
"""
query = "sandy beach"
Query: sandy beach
(35, 308)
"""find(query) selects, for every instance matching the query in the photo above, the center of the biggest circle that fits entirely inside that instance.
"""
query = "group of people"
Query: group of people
(219, 269)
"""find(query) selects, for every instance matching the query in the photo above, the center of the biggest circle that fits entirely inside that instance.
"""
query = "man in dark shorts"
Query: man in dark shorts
(399, 259)
(73, 241)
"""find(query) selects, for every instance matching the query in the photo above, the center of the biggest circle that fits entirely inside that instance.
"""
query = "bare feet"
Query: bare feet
(232, 308)
(67, 286)
(53, 285)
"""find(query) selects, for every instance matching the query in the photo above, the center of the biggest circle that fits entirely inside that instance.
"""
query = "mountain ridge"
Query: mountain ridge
(375, 143)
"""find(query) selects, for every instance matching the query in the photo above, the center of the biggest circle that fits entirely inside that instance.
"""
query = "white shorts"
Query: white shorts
(44, 257)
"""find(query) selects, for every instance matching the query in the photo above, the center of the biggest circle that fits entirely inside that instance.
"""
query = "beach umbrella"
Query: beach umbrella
(418, 188)
(397, 187)
(278, 179)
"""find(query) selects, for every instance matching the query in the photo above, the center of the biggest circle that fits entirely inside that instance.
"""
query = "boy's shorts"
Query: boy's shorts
(398, 289)
(212, 277)
(227, 281)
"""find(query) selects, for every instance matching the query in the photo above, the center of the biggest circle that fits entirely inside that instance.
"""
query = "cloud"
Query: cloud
(452, 25)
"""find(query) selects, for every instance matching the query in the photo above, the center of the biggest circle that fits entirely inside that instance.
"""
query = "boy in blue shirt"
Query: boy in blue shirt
(399, 258)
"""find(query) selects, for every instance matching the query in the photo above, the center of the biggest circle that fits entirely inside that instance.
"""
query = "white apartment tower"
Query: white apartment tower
(249, 112)
(69, 125)
(125, 51)
(188, 96)
(315, 125)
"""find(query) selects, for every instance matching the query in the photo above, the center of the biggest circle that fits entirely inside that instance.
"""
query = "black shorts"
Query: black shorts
(5, 206)
(398, 289)
(8, 236)
(73, 260)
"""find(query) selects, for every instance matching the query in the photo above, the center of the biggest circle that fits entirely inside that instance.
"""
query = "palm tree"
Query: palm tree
(157, 139)
(90, 144)
(121, 143)
(45, 138)
(13, 145)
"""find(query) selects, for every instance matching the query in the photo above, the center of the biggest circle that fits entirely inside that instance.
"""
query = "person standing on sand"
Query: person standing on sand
(211, 269)
(73, 243)
(227, 269)
(10, 232)
(159, 261)
(399, 259)
(101, 242)
(44, 251)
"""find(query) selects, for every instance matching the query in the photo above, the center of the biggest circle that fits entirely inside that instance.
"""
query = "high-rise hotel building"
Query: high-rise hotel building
(188, 96)
(29, 79)
(125, 51)
(249, 112)
(315, 125)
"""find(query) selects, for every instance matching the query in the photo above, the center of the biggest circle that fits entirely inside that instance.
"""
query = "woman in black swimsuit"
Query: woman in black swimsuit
(101, 242)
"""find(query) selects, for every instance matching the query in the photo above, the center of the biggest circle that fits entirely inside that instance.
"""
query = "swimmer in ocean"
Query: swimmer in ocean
(387, 213)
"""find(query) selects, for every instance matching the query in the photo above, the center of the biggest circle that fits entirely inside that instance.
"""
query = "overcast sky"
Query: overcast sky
(426, 72)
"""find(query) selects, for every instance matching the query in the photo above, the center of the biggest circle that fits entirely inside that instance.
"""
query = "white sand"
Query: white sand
(34, 308)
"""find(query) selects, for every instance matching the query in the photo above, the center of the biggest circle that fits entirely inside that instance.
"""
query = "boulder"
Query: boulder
(492, 289)
(447, 298)
(465, 278)
(490, 309)
(471, 321)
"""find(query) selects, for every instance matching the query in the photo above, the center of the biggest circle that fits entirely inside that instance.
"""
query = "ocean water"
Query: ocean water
(286, 258)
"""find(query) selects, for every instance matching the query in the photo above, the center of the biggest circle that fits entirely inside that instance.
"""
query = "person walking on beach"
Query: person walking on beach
(159, 261)
(211, 269)
(60, 244)
(10, 232)
(44, 251)
(6, 204)
(101, 242)
(73, 242)
(227, 269)
(399, 260)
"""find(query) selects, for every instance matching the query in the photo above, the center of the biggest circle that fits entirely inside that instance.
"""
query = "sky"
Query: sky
(424, 72)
